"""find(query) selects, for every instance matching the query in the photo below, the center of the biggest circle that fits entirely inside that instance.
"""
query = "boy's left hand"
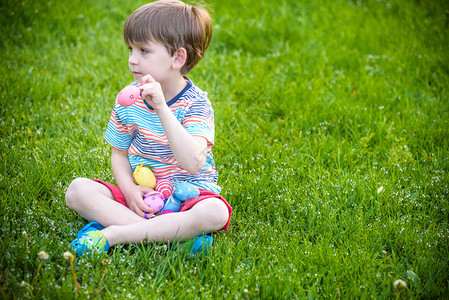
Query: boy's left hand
(152, 92)
(134, 200)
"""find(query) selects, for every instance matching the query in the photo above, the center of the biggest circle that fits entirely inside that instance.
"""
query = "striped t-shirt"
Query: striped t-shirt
(138, 130)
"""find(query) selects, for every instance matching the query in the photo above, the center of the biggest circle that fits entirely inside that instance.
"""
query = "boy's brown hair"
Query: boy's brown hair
(173, 23)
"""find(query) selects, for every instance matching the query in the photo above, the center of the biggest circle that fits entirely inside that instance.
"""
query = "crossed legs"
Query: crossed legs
(94, 202)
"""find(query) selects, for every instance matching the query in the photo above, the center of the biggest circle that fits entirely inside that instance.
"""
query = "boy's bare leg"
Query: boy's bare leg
(206, 216)
(94, 202)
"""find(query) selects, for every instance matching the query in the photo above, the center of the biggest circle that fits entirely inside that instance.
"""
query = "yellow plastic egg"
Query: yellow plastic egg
(143, 176)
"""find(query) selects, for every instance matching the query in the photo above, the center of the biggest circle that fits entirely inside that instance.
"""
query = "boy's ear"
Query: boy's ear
(180, 58)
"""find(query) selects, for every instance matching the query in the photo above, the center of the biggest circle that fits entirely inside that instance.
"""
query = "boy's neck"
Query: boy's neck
(173, 88)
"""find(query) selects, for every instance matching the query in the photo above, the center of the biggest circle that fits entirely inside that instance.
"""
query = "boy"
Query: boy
(169, 128)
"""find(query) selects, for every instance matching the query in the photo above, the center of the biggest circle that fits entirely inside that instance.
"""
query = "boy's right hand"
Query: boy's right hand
(134, 200)
(151, 91)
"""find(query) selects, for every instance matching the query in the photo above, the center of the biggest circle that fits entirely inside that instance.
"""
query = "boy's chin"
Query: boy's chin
(137, 77)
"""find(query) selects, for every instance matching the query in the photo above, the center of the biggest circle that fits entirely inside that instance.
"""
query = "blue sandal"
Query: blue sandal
(93, 240)
(201, 244)
(90, 238)
(92, 226)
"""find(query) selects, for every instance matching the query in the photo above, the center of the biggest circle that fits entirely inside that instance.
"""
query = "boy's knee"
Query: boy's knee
(74, 190)
(215, 214)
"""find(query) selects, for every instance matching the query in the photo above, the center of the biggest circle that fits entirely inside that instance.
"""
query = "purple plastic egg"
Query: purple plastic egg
(155, 200)
(128, 95)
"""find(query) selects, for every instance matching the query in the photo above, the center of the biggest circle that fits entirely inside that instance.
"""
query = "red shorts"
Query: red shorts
(204, 194)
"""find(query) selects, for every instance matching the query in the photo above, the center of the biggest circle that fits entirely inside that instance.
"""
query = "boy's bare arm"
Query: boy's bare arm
(123, 175)
(189, 151)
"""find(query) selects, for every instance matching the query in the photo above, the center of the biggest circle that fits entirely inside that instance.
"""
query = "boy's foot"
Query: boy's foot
(201, 244)
(88, 241)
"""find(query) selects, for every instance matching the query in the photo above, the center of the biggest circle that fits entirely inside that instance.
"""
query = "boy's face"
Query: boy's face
(150, 58)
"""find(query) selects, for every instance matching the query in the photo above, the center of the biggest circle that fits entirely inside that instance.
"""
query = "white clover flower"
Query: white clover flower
(43, 255)
(380, 189)
(399, 284)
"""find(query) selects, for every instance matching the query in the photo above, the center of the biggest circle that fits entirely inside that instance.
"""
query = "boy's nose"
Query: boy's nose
(132, 60)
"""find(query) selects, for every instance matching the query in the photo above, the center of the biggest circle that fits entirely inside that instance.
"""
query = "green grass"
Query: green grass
(331, 142)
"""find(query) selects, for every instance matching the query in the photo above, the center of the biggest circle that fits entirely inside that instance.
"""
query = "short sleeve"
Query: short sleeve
(199, 120)
(117, 133)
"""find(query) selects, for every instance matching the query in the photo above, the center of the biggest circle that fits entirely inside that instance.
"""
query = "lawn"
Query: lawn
(331, 143)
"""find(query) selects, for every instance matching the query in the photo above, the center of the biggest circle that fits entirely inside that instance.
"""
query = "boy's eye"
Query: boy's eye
(142, 50)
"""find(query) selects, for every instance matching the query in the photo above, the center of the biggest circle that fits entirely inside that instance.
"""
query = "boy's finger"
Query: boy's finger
(144, 208)
(145, 86)
(139, 211)
(147, 79)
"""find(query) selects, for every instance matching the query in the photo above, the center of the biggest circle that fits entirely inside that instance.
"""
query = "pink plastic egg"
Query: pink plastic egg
(128, 95)
(155, 200)
(164, 187)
